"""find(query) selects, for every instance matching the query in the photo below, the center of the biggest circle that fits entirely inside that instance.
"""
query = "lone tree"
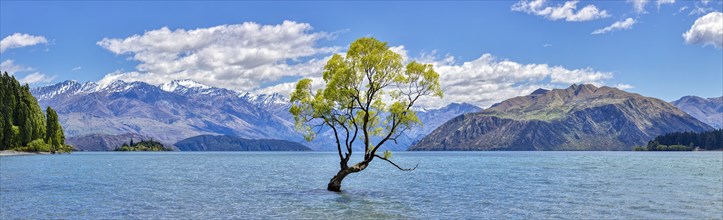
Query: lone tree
(368, 96)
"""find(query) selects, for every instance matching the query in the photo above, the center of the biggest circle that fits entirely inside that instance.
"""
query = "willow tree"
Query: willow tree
(366, 100)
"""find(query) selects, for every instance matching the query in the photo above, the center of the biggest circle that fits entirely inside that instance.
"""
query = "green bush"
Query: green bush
(640, 148)
(35, 146)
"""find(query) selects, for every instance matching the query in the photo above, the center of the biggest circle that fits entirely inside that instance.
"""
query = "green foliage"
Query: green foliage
(368, 96)
(54, 131)
(640, 148)
(37, 145)
(149, 145)
(22, 121)
(387, 155)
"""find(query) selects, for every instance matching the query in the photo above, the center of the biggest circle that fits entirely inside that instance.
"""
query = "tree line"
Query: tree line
(23, 125)
(143, 145)
(684, 141)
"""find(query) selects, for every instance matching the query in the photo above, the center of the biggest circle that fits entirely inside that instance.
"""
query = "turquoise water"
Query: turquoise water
(500, 185)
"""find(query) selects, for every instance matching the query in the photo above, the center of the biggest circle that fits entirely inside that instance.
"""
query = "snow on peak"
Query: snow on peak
(89, 87)
(265, 99)
(66, 86)
(186, 83)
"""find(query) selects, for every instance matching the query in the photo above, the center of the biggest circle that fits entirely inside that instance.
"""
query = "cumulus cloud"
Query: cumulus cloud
(707, 30)
(36, 77)
(567, 11)
(18, 40)
(239, 56)
(270, 58)
(639, 5)
(618, 25)
(488, 80)
(482, 81)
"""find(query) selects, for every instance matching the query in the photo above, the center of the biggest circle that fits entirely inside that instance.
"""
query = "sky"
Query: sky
(485, 51)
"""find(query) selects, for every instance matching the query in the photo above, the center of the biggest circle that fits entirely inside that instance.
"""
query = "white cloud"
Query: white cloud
(286, 88)
(566, 11)
(663, 2)
(707, 30)
(77, 68)
(12, 68)
(618, 25)
(488, 80)
(36, 77)
(623, 86)
(401, 51)
(270, 58)
(639, 5)
(18, 40)
(240, 56)
(483, 81)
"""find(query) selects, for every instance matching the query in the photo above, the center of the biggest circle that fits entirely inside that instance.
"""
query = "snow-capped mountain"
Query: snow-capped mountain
(184, 108)
(182, 85)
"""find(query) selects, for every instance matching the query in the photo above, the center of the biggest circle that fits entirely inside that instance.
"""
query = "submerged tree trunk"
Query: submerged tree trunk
(335, 182)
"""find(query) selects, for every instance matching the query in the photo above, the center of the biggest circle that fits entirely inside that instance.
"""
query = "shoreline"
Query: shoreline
(7, 153)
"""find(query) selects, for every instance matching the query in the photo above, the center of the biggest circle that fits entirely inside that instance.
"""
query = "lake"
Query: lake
(447, 185)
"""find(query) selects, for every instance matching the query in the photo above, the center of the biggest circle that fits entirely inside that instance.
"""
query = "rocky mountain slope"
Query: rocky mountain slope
(181, 109)
(230, 143)
(581, 117)
(708, 110)
(169, 112)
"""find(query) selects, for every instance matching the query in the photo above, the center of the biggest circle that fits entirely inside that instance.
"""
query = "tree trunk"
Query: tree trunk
(335, 182)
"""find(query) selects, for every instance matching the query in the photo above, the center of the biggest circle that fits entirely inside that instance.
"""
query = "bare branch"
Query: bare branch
(336, 136)
(398, 167)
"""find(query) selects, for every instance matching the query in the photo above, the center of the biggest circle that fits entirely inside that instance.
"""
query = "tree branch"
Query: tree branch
(398, 167)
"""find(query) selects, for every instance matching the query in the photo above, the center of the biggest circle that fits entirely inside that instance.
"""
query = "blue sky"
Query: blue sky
(522, 46)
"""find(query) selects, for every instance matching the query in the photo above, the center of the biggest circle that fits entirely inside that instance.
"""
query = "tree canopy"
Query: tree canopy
(367, 96)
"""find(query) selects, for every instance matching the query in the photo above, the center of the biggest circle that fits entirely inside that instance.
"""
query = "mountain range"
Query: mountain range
(581, 117)
(708, 110)
(183, 108)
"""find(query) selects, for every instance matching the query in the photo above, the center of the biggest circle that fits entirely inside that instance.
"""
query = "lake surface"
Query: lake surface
(447, 185)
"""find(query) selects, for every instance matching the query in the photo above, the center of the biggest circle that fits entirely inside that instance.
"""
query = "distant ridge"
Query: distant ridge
(581, 117)
(708, 110)
(180, 109)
